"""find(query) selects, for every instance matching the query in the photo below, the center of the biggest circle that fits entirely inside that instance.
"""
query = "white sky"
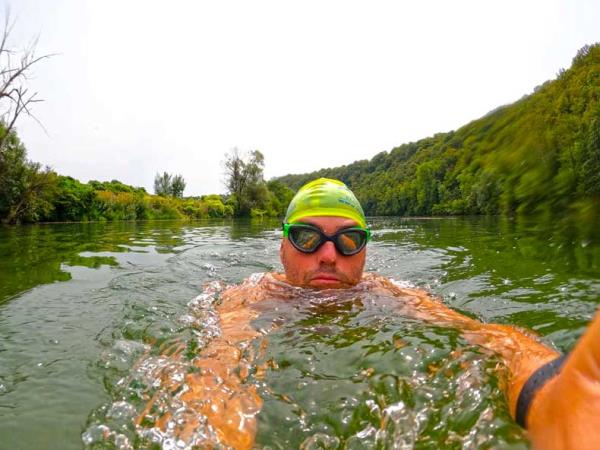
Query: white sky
(140, 86)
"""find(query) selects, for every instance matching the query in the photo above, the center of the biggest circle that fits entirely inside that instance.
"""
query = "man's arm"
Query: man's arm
(522, 353)
(216, 390)
(565, 412)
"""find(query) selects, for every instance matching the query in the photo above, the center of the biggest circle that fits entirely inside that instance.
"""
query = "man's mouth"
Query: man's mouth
(325, 279)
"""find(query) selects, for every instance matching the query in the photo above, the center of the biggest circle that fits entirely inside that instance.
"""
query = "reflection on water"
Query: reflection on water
(36, 254)
(86, 310)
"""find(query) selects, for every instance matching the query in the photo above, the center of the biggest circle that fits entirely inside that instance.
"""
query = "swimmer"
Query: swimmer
(324, 242)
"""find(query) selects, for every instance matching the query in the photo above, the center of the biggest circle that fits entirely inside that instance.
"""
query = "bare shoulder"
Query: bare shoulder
(377, 282)
(256, 288)
(416, 302)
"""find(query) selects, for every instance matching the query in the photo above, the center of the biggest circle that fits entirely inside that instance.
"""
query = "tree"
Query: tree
(244, 181)
(162, 184)
(15, 97)
(177, 186)
(590, 167)
(281, 196)
(235, 173)
(26, 189)
(168, 185)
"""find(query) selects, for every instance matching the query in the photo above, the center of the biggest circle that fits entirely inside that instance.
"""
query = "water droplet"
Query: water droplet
(95, 434)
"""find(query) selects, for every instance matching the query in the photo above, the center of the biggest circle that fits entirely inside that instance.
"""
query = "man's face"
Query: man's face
(326, 268)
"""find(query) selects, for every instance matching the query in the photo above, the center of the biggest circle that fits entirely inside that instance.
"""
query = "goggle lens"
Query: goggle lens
(351, 241)
(307, 238)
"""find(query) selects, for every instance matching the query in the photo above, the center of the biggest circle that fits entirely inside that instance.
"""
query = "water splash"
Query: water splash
(157, 380)
(341, 369)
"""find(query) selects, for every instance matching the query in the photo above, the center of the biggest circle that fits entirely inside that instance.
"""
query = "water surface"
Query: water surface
(82, 304)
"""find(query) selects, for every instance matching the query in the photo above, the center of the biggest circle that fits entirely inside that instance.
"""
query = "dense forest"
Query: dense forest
(540, 154)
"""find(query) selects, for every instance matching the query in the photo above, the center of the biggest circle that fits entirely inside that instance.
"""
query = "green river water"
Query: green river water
(81, 303)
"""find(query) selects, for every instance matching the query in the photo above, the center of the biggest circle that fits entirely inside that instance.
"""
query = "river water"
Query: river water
(82, 304)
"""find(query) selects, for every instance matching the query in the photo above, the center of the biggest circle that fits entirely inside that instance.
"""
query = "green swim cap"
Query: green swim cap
(325, 197)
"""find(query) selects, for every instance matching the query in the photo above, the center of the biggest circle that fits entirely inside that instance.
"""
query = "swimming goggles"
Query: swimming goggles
(308, 238)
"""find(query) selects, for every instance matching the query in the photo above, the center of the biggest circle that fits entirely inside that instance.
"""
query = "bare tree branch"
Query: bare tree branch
(15, 98)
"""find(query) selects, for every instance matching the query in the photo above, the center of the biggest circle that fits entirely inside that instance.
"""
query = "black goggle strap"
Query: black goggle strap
(287, 226)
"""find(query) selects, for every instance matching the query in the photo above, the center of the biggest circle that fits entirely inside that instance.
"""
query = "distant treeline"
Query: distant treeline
(113, 200)
(31, 193)
(540, 154)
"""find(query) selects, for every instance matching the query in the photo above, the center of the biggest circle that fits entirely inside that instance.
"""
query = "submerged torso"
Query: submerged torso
(291, 366)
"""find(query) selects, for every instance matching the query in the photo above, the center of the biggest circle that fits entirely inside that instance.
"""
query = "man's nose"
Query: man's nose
(327, 254)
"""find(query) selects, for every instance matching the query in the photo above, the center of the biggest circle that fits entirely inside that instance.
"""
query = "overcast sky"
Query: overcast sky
(139, 87)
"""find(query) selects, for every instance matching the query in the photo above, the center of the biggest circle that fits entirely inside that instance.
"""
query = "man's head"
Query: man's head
(324, 236)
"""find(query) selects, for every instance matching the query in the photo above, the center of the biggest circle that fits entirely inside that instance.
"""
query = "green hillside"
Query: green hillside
(540, 154)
